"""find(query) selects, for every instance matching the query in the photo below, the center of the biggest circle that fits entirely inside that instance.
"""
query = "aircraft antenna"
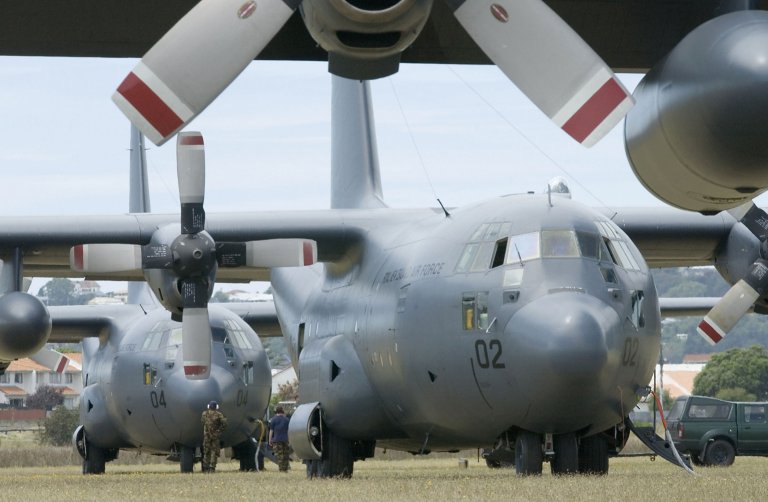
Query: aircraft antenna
(549, 194)
(447, 214)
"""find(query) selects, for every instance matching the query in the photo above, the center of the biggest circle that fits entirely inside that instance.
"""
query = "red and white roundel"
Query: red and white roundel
(499, 12)
(246, 9)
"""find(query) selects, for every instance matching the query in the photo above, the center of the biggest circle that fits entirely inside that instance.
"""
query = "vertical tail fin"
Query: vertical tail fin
(355, 178)
(138, 202)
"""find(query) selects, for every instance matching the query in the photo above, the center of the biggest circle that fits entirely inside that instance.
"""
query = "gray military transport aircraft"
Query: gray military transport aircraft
(527, 324)
(143, 386)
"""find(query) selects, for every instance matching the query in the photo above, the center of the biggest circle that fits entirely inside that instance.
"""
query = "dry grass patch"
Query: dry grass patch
(440, 479)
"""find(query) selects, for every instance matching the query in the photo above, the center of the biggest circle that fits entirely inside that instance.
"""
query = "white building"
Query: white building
(23, 377)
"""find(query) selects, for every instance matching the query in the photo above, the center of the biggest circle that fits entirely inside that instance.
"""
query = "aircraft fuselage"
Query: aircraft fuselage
(445, 332)
(137, 396)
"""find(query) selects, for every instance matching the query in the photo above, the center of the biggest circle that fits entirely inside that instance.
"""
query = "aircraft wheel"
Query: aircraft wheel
(246, 452)
(566, 459)
(719, 453)
(95, 460)
(186, 459)
(593, 455)
(337, 462)
(528, 454)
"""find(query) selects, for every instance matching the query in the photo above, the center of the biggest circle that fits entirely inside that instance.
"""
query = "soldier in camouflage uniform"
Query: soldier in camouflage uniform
(278, 438)
(214, 423)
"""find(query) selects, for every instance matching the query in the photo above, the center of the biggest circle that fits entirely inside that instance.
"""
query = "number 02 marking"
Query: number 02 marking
(488, 354)
(630, 351)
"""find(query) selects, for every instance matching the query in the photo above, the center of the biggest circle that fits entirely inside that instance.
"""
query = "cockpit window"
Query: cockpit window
(154, 337)
(523, 247)
(617, 248)
(490, 247)
(485, 248)
(559, 243)
(237, 335)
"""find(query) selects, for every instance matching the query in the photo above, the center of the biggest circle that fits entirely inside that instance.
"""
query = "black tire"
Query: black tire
(493, 464)
(720, 453)
(186, 459)
(246, 453)
(696, 460)
(593, 455)
(95, 460)
(566, 459)
(338, 461)
(528, 454)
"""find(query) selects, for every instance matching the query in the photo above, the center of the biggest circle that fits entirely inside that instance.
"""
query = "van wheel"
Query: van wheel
(719, 453)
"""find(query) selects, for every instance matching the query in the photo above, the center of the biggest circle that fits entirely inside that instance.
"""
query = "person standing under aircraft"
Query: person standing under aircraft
(214, 423)
(278, 438)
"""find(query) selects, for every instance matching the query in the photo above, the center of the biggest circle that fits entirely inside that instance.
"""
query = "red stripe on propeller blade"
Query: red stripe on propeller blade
(195, 370)
(192, 139)
(708, 330)
(307, 248)
(149, 105)
(595, 110)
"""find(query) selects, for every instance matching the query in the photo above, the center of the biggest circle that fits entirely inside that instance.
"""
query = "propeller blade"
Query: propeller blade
(735, 303)
(195, 61)
(196, 343)
(190, 170)
(195, 328)
(104, 258)
(50, 359)
(754, 218)
(156, 256)
(268, 253)
(549, 62)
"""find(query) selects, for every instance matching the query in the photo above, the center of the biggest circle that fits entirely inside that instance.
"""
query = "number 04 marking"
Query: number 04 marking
(488, 354)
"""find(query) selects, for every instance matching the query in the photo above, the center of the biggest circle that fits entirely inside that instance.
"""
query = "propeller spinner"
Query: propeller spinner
(181, 261)
(738, 300)
(209, 47)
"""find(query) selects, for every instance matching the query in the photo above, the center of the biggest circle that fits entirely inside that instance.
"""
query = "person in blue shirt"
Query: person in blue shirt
(278, 438)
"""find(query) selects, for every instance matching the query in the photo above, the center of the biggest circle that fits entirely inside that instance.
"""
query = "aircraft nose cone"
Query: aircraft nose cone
(559, 345)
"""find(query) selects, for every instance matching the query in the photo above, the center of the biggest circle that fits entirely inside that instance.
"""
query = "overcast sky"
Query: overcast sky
(63, 143)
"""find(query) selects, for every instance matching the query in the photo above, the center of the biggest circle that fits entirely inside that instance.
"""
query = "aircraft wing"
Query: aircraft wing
(261, 316)
(670, 237)
(682, 307)
(630, 35)
(72, 323)
(46, 240)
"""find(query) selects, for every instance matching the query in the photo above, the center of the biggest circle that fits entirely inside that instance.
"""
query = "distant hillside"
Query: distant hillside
(701, 281)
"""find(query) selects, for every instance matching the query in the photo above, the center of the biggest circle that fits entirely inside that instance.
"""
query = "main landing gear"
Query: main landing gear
(566, 453)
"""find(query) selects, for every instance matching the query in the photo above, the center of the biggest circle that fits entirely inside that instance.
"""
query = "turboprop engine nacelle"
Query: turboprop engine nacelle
(696, 137)
(364, 39)
(25, 325)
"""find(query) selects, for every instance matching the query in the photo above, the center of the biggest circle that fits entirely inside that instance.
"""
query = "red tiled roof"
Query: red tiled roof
(13, 391)
(25, 365)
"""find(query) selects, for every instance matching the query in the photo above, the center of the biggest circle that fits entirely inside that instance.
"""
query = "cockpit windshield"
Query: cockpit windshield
(490, 247)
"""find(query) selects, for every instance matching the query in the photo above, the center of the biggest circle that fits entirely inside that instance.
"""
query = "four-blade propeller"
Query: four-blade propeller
(181, 261)
(209, 47)
(738, 300)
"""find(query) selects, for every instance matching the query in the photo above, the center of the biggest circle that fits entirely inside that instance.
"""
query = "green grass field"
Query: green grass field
(424, 478)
